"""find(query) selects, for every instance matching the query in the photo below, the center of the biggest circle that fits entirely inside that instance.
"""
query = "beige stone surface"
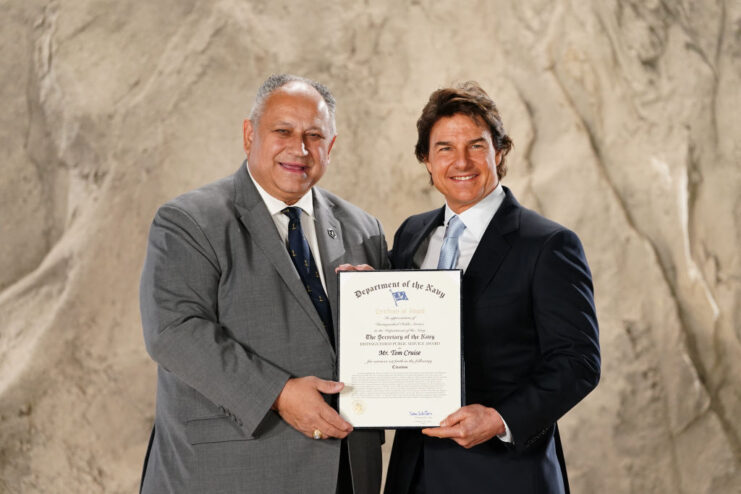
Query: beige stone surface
(625, 116)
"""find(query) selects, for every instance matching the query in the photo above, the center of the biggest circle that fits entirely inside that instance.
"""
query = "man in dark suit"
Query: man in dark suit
(238, 307)
(530, 335)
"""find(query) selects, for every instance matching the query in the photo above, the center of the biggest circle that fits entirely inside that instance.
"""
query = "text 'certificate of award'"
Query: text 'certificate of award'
(399, 347)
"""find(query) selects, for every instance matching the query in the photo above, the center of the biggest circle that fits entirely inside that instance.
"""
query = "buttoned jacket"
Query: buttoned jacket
(228, 321)
(531, 352)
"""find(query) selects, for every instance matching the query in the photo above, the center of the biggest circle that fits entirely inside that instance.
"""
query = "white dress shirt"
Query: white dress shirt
(476, 218)
(306, 203)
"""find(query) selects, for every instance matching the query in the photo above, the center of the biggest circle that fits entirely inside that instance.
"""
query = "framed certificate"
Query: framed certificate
(400, 348)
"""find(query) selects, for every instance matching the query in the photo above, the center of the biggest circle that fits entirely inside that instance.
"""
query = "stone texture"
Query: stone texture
(625, 117)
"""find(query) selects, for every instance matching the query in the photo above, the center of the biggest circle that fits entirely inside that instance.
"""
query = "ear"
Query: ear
(248, 133)
(428, 166)
(498, 157)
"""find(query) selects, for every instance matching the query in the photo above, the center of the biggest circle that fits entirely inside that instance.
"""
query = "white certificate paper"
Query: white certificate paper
(399, 347)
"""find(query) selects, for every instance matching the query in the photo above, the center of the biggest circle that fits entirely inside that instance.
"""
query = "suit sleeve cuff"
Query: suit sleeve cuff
(506, 436)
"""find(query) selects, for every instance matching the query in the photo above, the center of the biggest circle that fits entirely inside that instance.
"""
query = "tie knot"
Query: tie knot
(455, 227)
(292, 212)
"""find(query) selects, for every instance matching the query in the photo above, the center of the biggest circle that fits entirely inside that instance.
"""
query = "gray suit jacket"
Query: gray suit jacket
(228, 320)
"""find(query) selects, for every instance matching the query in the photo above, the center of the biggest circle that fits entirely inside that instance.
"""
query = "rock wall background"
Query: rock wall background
(625, 116)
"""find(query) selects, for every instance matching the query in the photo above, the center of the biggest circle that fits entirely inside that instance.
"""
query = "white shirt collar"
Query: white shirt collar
(477, 217)
(275, 206)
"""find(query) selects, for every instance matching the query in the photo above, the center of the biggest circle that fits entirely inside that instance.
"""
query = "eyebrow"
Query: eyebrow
(313, 128)
(473, 141)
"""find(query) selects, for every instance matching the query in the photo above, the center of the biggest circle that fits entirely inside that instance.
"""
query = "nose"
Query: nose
(461, 159)
(298, 146)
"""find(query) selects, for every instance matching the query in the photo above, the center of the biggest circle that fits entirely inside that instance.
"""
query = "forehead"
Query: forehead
(297, 101)
(458, 125)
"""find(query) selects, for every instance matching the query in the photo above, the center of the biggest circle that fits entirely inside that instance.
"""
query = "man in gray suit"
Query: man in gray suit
(238, 307)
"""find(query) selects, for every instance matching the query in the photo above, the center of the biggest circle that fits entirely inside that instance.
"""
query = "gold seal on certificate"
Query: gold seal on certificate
(399, 347)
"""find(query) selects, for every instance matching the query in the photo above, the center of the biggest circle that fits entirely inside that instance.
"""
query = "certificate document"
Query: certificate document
(399, 347)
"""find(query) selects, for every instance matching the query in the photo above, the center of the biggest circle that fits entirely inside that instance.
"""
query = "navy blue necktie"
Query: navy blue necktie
(302, 259)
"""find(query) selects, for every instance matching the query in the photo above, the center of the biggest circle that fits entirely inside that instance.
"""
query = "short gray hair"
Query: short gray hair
(276, 81)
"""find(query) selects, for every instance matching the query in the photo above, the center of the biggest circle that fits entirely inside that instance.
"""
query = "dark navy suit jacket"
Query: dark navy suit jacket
(531, 351)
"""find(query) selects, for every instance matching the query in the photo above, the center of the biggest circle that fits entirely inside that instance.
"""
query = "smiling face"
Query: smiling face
(462, 161)
(288, 147)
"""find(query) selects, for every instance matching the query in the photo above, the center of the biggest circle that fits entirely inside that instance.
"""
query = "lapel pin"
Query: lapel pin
(331, 233)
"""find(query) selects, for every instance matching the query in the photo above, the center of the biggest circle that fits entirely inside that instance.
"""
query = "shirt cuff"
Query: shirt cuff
(506, 436)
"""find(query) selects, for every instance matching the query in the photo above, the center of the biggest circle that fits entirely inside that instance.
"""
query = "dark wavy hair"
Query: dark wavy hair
(466, 99)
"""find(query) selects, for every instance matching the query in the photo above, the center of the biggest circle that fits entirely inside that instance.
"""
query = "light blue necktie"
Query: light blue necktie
(449, 251)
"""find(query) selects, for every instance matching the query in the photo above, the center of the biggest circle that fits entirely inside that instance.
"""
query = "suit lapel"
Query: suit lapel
(492, 248)
(431, 221)
(256, 219)
(331, 247)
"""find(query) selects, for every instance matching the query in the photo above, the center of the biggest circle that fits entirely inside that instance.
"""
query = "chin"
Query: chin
(295, 192)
